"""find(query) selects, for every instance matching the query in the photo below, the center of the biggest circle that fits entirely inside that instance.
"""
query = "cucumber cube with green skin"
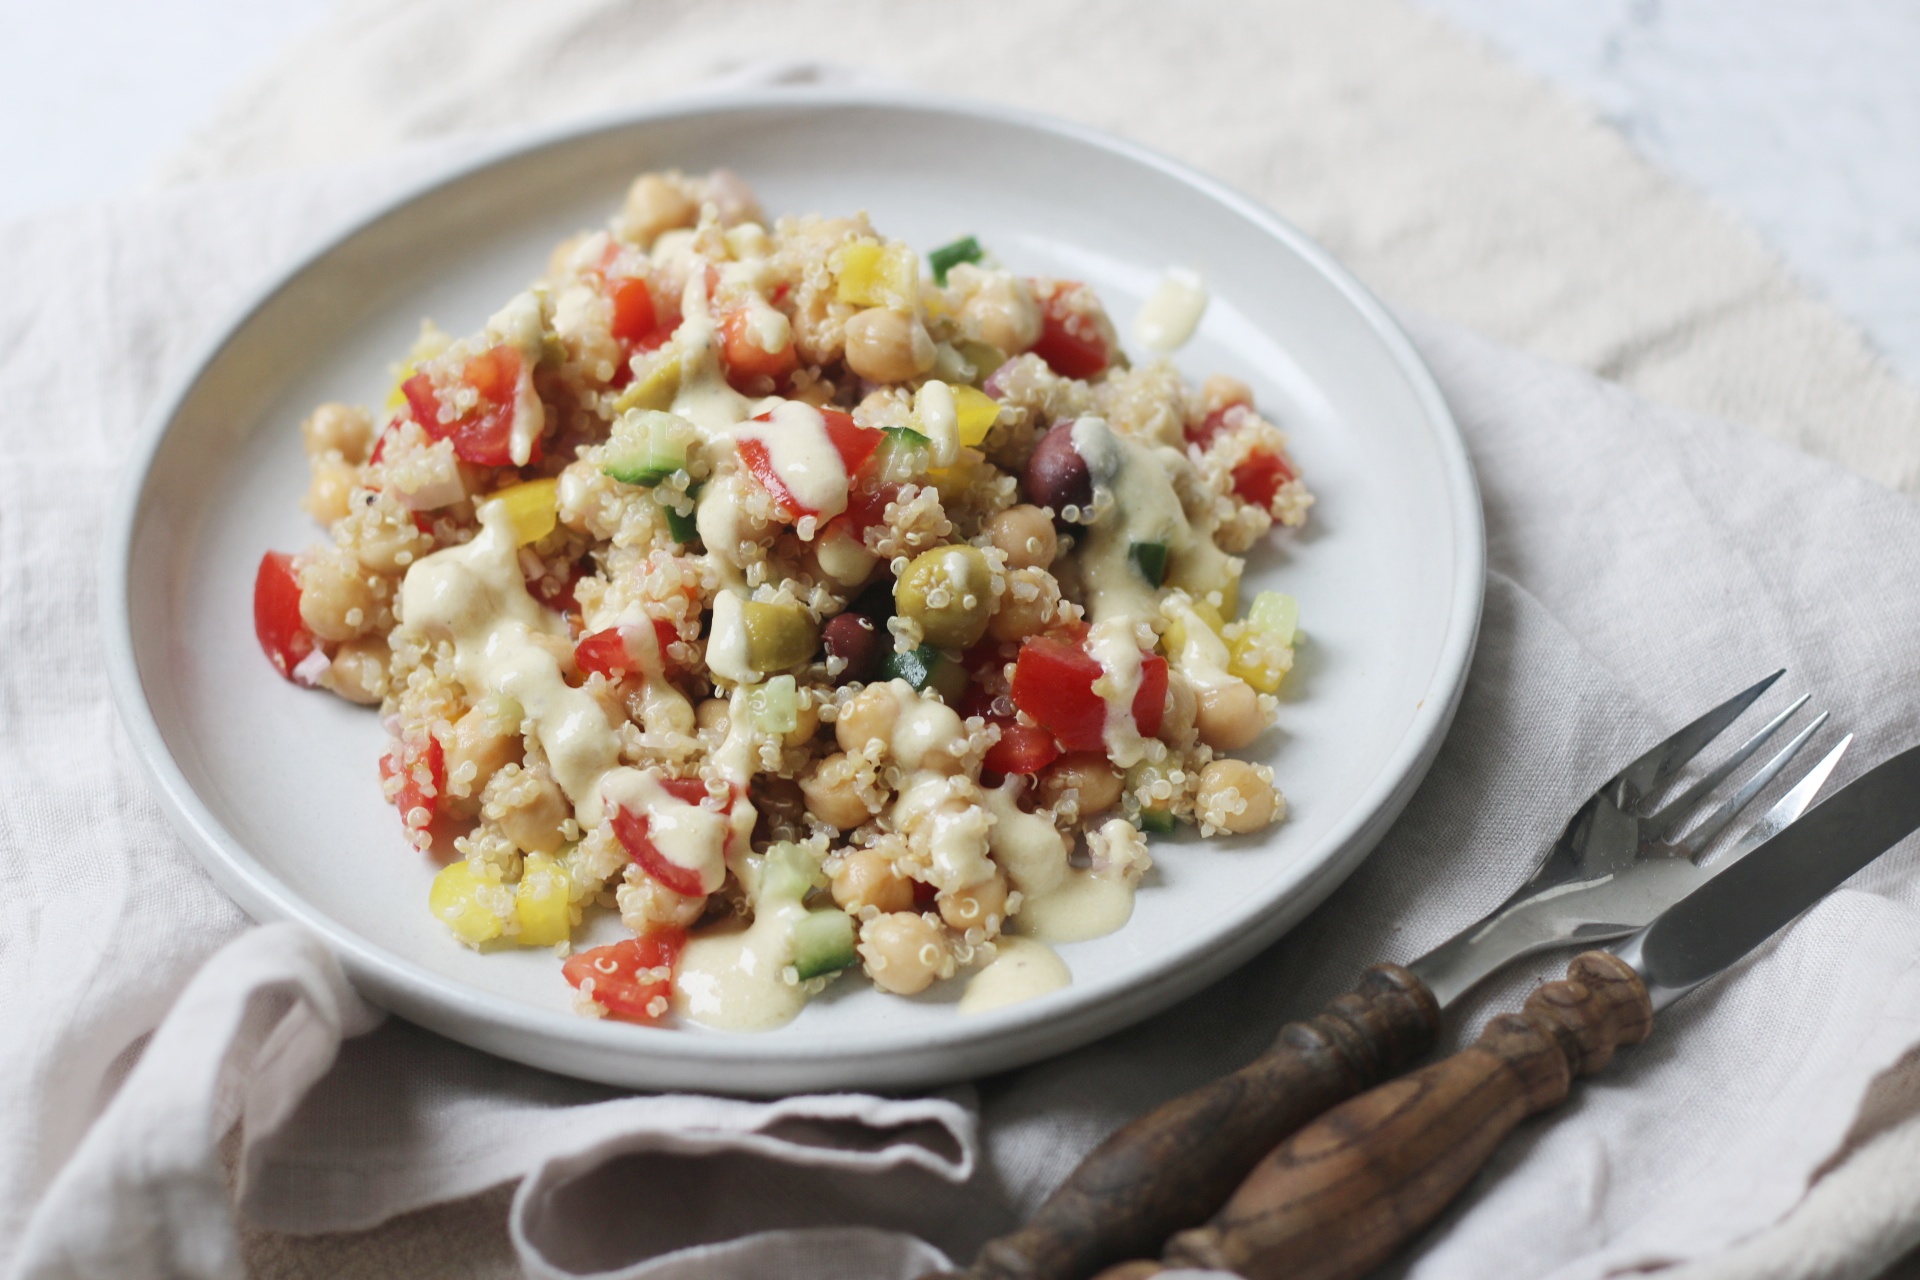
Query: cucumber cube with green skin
(1159, 821)
(907, 437)
(1151, 559)
(823, 942)
(927, 667)
(788, 873)
(949, 256)
(682, 527)
(647, 447)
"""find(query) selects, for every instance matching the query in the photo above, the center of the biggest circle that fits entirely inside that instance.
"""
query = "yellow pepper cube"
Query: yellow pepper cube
(459, 898)
(870, 274)
(1263, 654)
(531, 508)
(977, 412)
(540, 903)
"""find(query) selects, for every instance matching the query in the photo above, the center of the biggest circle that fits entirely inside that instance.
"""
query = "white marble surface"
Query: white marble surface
(1801, 115)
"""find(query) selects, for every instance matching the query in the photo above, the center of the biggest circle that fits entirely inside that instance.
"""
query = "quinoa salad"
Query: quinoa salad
(814, 607)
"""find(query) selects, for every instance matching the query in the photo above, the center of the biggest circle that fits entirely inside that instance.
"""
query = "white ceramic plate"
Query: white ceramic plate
(274, 787)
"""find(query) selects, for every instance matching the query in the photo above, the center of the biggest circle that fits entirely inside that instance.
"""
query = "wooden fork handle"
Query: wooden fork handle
(1176, 1165)
(1341, 1195)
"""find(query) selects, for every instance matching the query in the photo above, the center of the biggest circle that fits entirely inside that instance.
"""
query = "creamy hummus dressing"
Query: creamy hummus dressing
(733, 978)
(1168, 318)
(518, 324)
(938, 420)
(1062, 903)
(1133, 489)
(475, 594)
(802, 455)
(688, 835)
(1113, 643)
(1021, 970)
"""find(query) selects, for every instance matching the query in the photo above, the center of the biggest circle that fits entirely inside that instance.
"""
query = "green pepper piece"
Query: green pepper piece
(1159, 821)
(949, 256)
(1151, 558)
(927, 668)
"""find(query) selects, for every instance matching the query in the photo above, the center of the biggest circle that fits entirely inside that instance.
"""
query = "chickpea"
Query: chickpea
(481, 740)
(949, 592)
(833, 793)
(358, 672)
(1085, 771)
(383, 537)
(329, 492)
(1228, 714)
(1026, 535)
(871, 714)
(336, 600)
(1181, 712)
(531, 814)
(807, 723)
(1236, 797)
(655, 203)
(713, 716)
(644, 901)
(884, 345)
(981, 906)
(1027, 605)
(904, 952)
(1002, 311)
(867, 879)
(338, 428)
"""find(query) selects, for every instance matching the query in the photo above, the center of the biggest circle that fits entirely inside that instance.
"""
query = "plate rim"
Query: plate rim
(997, 1040)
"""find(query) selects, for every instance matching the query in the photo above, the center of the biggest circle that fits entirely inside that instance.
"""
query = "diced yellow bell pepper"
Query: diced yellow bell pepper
(977, 412)
(532, 508)
(429, 344)
(874, 275)
(655, 391)
(1212, 616)
(458, 899)
(1263, 654)
(540, 902)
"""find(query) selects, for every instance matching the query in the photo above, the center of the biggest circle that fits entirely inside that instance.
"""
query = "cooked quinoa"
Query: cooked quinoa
(810, 610)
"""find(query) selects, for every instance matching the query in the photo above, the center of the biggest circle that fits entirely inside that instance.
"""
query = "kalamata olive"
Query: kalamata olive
(1057, 476)
(856, 640)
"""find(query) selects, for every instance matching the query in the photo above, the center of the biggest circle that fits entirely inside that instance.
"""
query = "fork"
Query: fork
(1616, 865)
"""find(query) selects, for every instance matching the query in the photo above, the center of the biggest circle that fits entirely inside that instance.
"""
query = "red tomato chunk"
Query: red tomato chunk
(631, 830)
(1070, 342)
(1023, 748)
(608, 652)
(1258, 478)
(1053, 683)
(746, 360)
(634, 320)
(422, 766)
(484, 435)
(634, 978)
(276, 614)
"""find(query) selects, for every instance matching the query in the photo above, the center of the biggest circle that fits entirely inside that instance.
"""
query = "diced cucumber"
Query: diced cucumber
(1276, 614)
(907, 437)
(682, 527)
(647, 447)
(1159, 821)
(1151, 559)
(788, 873)
(949, 256)
(823, 942)
(927, 668)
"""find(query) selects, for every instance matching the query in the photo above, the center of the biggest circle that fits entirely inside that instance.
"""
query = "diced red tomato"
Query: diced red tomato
(1053, 683)
(687, 790)
(1215, 422)
(1070, 343)
(1023, 748)
(746, 360)
(868, 507)
(632, 978)
(484, 435)
(418, 798)
(557, 596)
(633, 316)
(853, 442)
(608, 652)
(631, 830)
(276, 614)
(1260, 476)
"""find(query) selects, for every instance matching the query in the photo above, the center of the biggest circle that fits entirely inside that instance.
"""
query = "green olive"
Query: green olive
(949, 592)
(778, 635)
